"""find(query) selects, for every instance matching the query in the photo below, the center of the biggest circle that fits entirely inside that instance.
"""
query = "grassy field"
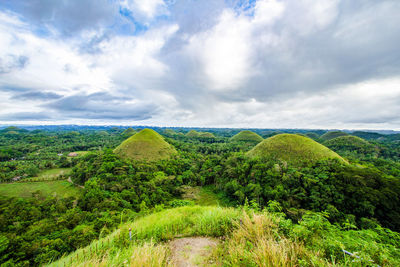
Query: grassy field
(48, 188)
(296, 150)
(145, 145)
(205, 196)
(51, 174)
(80, 153)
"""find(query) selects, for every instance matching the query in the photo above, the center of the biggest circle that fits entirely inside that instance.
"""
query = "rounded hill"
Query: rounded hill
(247, 136)
(332, 134)
(145, 145)
(128, 132)
(351, 143)
(206, 135)
(192, 133)
(295, 149)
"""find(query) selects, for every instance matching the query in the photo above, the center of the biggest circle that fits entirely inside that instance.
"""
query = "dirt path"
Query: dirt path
(70, 180)
(192, 251)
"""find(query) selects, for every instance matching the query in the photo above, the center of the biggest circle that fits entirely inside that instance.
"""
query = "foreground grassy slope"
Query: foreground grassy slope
(145, 145)
(47, 188)
(247, 136)
(149, 233)
(250, 239)
(294, 149)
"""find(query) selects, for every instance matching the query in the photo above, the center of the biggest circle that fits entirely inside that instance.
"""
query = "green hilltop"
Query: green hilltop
(295, 149)
(192, 133)
(351, 143)
(206, 135)
(128, 132)
(333, 134)
(247, 136)
(145, 145)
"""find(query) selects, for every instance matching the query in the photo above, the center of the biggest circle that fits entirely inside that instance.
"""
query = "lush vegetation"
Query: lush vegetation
(293, 201)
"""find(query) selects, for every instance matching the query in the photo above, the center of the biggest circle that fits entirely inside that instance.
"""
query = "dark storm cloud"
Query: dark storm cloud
(102, 106)
(67, 16)
(12, 62)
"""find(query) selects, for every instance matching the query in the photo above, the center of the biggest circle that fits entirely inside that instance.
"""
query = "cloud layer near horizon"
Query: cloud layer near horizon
(232, 63)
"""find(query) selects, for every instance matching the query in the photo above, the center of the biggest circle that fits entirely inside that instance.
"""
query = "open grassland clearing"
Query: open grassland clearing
(47, 188)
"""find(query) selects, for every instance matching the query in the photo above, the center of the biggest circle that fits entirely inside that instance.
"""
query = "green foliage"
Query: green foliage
(350, 145)
(145, 145)
(294, 149)
(349, 204)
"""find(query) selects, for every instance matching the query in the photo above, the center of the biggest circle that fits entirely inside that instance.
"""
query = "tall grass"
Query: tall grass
(154, 228)
(257, 242)
(251, 239)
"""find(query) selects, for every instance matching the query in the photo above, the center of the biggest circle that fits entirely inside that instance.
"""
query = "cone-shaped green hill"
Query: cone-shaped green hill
(192, 133)
(296, 150)
(247, 136)
(332, 134)
(145, 145)
(128, 132)
(206, 135)
(351, 143)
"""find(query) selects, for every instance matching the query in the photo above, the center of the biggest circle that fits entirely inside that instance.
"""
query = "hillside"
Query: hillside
(352, 144)
(128, 132)
(247, 136)
(206, 135)
(294, 149)
(244, 238)
(145, 145)
(192, 133)
(332, 134)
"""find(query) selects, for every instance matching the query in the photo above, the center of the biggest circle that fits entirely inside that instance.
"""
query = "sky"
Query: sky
(331, 64)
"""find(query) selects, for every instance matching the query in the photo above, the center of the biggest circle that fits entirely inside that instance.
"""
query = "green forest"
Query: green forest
(69, 195)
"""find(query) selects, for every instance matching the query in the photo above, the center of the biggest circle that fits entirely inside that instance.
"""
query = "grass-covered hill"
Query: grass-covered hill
(244, 237)
(192, 133)
(145, 145)
(332, 134)
(312, 135)
(351, 143)
(295, 149)
(247, 136)
(206, 135)
(128, 132)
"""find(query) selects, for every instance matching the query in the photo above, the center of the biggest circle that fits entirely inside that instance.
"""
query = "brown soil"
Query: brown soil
(192, 251)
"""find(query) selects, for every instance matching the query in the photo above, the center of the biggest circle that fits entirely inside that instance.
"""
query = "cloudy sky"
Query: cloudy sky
(212, 63)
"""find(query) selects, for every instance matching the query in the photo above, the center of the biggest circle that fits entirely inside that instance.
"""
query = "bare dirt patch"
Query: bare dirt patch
(192, 251)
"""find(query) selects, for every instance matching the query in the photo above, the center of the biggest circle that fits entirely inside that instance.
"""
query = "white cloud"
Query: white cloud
(292, 63)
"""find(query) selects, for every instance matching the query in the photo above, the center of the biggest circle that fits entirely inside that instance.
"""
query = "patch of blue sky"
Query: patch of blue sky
(245, 7)
(134, 27)
(137, 28)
